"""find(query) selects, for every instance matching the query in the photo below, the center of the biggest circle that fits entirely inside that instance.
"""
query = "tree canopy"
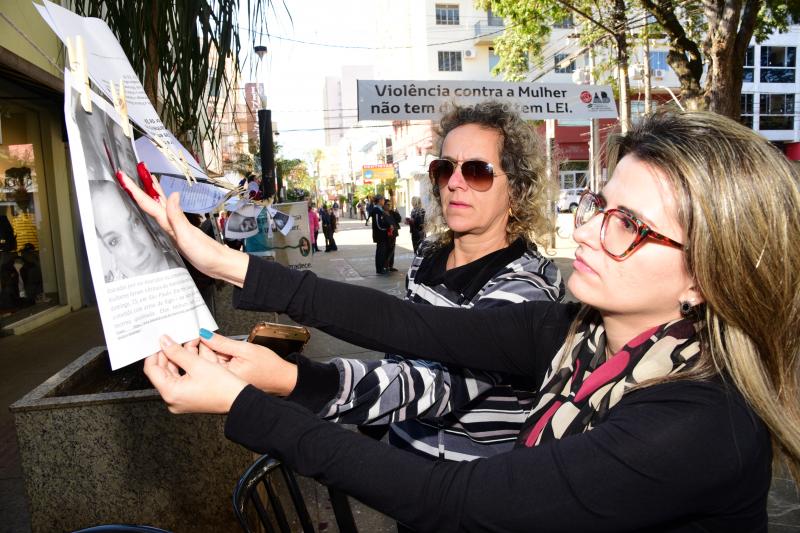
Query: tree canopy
(185, 51)
(702, 35)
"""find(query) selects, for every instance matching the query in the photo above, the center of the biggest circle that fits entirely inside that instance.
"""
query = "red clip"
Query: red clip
(147, 181)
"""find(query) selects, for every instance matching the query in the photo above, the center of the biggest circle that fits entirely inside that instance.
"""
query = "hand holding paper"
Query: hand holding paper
(206, 387)
(207, 255)
(255, 364)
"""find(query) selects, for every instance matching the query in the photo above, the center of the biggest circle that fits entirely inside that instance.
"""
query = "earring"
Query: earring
(687, 307)
(510, 213)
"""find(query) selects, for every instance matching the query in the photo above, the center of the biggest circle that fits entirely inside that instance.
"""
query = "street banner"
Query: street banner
(107, 64)
(142, 286)
(379, 172)
(292, 249)
(428, 100)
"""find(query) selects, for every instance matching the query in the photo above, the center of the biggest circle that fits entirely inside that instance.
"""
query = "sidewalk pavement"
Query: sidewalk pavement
(28, 360)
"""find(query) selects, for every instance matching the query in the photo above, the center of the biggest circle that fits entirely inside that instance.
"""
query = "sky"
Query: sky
(294, 72)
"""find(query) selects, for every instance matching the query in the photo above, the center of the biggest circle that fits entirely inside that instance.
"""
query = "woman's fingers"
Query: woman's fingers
(155, 372)
(177, 219)
(207, 353)
(222, 344)
(152, 207)
(160, 191)
(177, 354)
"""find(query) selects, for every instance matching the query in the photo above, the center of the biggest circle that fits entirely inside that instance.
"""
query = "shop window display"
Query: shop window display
(25, 283)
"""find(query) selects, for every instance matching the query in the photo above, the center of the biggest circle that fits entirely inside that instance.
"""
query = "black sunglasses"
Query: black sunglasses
(478, 174)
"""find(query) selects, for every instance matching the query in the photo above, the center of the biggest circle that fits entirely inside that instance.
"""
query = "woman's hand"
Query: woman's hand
(206, 387)
(255, 364)
(206, 254)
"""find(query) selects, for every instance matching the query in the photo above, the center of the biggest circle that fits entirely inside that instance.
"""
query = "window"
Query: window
(749, 63)
(777, 112)
(494, 59)
(638, 109)
(780, 63)
(574, 174)
(450, 61)
(563, 64)
(658, 60)
(746, 117)
(565, 23)
(447, 14)
(493, 19)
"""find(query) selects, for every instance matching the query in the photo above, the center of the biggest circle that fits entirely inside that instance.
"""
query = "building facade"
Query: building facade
(42, 258)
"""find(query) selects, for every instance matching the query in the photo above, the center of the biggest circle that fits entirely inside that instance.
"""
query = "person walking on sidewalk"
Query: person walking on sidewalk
(380, 234)
(416, 222)
(328, 225)
(392, 230)
(313, 224)
(370, 207)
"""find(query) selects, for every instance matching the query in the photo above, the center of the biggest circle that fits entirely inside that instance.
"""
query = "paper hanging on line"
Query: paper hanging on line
(292, 249)
(107, 64)
(142, 286)
(282, 221)
(242, 222)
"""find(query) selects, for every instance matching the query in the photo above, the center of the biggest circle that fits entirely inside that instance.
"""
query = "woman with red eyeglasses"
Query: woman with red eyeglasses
(665, 396)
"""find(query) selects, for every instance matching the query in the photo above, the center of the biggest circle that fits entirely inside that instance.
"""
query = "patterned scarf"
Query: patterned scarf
(579, 390)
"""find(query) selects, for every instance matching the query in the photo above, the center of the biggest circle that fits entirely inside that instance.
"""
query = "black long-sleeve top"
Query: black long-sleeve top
(679, 456)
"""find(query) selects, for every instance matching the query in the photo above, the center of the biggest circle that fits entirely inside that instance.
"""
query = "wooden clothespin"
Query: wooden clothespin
(185, 168)
(121, 105)
(80, 69)
(175, 156)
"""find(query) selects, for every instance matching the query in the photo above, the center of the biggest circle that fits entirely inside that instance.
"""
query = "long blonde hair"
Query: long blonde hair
(531, 195)
(739, 201)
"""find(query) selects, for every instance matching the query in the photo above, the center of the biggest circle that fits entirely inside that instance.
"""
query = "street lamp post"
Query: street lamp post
(265, 139)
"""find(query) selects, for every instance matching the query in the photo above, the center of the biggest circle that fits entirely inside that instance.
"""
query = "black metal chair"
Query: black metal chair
(121, 528)
(247, 499)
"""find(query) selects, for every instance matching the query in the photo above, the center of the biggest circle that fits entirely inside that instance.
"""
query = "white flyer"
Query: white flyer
(143, 289)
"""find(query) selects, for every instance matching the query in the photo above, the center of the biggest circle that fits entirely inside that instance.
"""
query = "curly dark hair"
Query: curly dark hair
(522, 157)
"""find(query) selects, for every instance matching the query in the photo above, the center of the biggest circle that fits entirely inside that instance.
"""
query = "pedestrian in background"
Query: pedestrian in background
(370, 207)
(313, 225)
(416, 222)
(380, 227)
(328, 225)
(362, 215)
(392, 230)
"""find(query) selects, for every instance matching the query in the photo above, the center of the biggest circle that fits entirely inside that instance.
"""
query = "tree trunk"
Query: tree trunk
(733, 26)
(151, 67)
(684, 54)
(621, 39)
(646, 74)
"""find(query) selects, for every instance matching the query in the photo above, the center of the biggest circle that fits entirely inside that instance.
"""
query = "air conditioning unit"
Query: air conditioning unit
(470, 53)
(581, 75)
(636, 71)
(658, 73)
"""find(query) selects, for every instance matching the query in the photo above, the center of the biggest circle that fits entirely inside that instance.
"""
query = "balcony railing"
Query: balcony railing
(487, 30)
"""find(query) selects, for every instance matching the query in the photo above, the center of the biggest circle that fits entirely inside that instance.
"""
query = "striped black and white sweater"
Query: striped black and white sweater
(437, 411)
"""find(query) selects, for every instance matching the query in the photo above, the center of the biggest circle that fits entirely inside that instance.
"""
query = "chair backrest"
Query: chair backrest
(121, 528)
(247, 501)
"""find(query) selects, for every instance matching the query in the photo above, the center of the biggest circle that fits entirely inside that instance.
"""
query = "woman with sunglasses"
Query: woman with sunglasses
(491, 200)
(664, 395)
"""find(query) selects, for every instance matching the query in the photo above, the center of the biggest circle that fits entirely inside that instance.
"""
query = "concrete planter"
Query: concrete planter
(100, 447)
